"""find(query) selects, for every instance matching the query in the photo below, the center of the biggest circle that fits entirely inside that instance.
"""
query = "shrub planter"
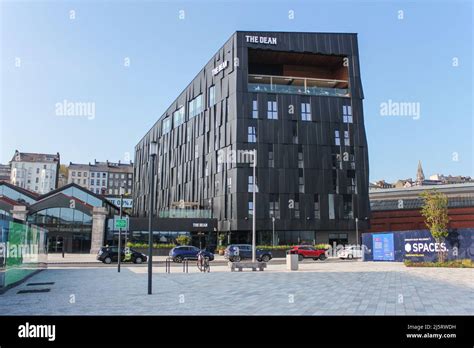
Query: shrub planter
(156, 251)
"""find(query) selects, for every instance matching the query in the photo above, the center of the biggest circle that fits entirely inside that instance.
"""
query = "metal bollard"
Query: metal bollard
(168, 265)
(185, 265)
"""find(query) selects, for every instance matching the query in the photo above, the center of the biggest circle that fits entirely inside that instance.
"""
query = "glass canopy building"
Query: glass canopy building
(66, 213)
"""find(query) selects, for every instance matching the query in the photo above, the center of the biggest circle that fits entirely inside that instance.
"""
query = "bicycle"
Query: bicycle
(203, 263)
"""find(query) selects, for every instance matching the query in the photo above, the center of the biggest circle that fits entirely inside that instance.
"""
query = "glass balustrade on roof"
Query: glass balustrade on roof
(297, 85)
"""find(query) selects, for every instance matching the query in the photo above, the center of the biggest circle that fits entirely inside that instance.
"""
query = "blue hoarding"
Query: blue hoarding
(417, 245)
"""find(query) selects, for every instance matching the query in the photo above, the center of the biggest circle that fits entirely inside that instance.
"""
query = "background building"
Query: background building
(5, 172)
(104, 178)
(400, 209)
(76, 220)
(297, 99)
(36, 172)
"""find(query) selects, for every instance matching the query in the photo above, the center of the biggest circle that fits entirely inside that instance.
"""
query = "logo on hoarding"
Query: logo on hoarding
(420, 247)
(261, 39)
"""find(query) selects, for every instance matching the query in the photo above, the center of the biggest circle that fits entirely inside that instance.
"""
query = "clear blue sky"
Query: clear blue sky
(407, 60)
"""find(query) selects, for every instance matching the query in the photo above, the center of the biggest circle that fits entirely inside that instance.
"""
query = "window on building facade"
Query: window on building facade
(250, 183)
(92, 175)
(104, 175)
(337, 138)
(305, 112)
(334, 181)
(178, 117)
(271, 159)
(300, 158)
(274, 206)
(252, 134)
(212, 96)
(195, 106)
(317, 209)
(347, 206)
(196, 151)
(296, 209)
(73, 174)
(37, 170)
(272, 111)
(254, 109)
(166, 125)
(79, 174)
(300, 181)
(347, 140)
(229, 184)
(351, 181)
(332, 213)
(92, 181)
(347, 114)
(250, 208)
(294, 129)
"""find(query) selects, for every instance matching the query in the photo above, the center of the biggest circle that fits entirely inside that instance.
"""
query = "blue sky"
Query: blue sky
(403, 60)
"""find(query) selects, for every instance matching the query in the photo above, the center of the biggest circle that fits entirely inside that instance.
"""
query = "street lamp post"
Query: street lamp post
(120, 231)
(273, 235)
(254, 186)
(153, 153)
(357, 230)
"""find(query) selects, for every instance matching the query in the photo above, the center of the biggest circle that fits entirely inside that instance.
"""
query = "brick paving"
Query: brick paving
(319, 288)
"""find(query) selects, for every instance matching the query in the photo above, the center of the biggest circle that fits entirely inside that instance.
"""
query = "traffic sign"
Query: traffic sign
(120, 223)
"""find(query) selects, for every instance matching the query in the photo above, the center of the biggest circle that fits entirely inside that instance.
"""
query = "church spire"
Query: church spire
(420, 176)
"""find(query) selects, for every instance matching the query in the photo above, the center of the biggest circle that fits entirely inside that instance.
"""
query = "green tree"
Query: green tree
(435, 212)
(183, 240)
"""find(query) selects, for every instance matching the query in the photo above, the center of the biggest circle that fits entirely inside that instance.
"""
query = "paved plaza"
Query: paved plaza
(318, 288)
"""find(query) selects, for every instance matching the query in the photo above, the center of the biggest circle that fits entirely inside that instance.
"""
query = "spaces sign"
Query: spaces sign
(383, 247)
(419, 247)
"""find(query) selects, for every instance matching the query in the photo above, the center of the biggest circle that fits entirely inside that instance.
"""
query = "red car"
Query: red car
(308, 251)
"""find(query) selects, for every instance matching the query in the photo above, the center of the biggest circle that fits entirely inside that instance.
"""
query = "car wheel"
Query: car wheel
(138, 260)
(300, 257)
(236, 258)
(178, 259)
(350, 256)
(322, 257)
(108, 260)
(265, 258)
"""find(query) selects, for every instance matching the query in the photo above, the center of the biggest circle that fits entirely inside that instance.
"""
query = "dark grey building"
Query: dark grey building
(297, 99)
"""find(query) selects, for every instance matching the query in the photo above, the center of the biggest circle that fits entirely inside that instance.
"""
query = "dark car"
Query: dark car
(237, 252)
(110, 254)
(179, 253)
(309, 252)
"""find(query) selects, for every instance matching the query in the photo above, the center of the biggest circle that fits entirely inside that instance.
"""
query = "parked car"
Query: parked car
(350, 252)
(309, 252)
(237, 252)
(179, 253)
(109, 254)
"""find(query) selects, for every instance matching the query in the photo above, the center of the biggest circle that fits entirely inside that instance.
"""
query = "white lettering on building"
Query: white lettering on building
(261, 39)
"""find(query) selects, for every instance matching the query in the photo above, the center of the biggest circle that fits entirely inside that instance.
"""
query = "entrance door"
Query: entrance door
(55, 244)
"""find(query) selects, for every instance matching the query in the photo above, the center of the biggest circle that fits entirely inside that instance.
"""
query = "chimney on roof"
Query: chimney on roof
(119, 161)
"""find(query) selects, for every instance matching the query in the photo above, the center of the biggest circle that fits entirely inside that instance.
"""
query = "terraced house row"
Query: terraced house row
(294, 97)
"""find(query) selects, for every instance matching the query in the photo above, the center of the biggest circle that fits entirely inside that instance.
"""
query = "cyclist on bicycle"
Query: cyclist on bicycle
(202, 261)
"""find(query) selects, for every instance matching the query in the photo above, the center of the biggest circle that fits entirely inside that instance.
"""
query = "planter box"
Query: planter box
(156, 252)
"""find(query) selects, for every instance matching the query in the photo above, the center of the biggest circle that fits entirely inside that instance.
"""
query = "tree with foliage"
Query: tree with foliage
(435, 212)
(183, 240)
